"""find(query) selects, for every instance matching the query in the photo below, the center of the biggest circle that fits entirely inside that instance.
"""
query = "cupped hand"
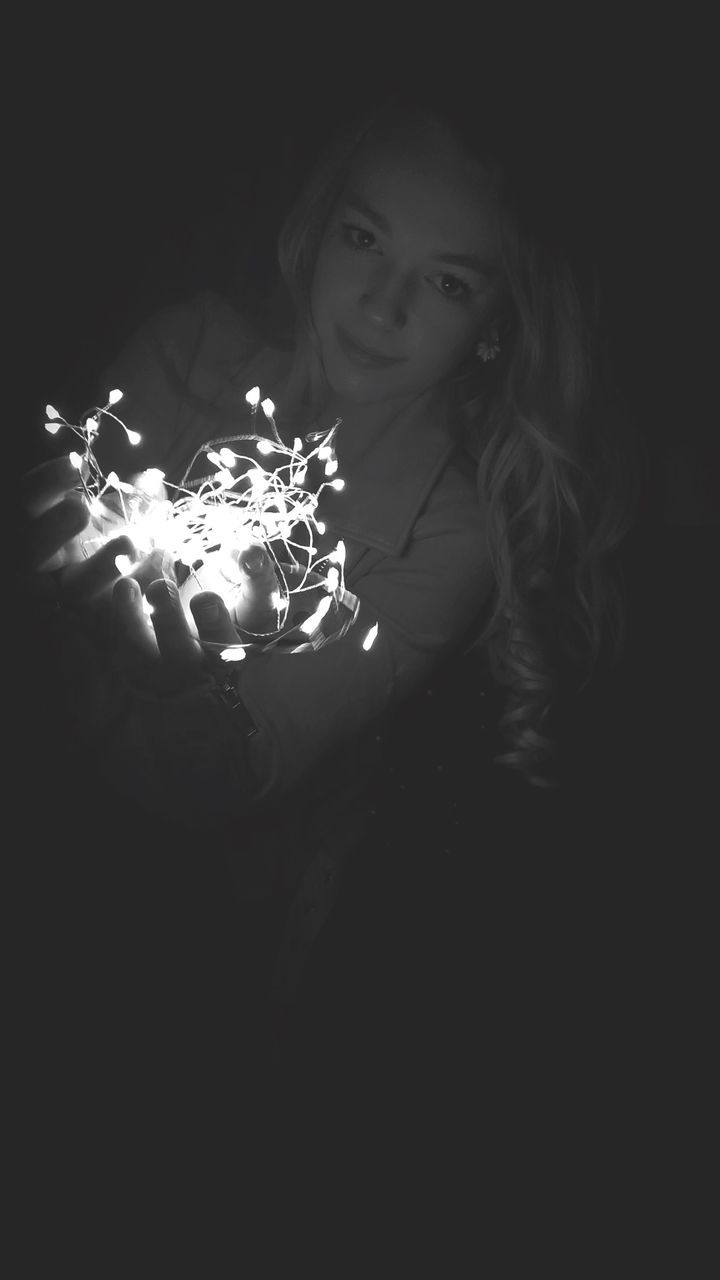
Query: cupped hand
(54, 514)
(159, 652)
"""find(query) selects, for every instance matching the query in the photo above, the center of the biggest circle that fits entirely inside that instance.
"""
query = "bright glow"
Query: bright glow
(147, 607)
(337, 484)
(331, 467)
(121, 485)
(199, 532)
(115, 396)
(267, 407)
(235, 653)
(150, 483)
(370, 638)
(53, 427)
(309, 625)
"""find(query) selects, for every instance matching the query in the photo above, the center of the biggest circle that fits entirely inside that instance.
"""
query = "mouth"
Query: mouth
(364, 355)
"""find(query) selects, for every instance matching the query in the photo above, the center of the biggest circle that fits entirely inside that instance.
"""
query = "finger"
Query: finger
(258, 564)
(87, 581)
(49, 534)
(47, 484)
(137, 638)
(149, 569)
(254, 607)
(212, 619)
(175, 640)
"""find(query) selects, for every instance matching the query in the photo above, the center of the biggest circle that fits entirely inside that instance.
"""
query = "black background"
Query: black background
(148, 162)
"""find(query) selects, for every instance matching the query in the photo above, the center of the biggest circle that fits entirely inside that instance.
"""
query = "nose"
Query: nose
(384, 300)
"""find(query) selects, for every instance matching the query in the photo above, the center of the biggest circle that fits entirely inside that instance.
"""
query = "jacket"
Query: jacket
(279, 766)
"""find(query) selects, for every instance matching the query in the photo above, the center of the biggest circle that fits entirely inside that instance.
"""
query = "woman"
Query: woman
(439, 320)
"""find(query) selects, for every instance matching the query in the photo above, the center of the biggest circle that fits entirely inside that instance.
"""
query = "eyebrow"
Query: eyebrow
(484, 266)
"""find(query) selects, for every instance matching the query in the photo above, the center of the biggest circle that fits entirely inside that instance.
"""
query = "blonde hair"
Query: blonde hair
(559, 464)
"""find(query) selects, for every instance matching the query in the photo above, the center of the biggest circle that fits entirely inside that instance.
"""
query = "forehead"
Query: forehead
(427, 188)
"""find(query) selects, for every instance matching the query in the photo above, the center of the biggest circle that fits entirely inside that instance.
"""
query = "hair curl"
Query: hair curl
(559, 462)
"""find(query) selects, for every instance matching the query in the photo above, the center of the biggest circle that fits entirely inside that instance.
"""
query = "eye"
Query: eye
(358, 237)
(452, 288)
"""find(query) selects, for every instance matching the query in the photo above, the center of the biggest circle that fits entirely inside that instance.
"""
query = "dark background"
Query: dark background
(149, 166)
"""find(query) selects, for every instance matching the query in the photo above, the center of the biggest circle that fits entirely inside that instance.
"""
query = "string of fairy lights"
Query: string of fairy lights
(205, 534)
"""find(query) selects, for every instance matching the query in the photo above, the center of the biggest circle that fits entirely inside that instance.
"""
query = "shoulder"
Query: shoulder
(454, 504)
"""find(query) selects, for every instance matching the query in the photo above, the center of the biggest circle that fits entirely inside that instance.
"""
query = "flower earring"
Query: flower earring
(488, 348)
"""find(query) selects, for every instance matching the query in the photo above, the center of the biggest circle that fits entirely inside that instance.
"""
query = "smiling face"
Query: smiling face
(406, 279)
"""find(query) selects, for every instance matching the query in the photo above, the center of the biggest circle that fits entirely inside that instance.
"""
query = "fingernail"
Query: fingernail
(209, 612)
(254, 559)
(162, 591)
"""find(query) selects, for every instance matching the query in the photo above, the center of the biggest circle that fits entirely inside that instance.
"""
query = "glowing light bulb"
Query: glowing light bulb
(370, 638)
(53, 427)
(51, 412)
(337, 484)
(76, 460)
(268, 407)
(253, 396)
(123, 564)
(309, 625)
(150, 482)
(114, 396)
(233, 654)
(134, 437)
(264, 446)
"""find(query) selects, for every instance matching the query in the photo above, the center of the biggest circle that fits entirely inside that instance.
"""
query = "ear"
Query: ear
(488, 344)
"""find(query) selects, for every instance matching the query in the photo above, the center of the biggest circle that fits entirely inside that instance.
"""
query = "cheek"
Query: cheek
(445, 342)
(331, 283)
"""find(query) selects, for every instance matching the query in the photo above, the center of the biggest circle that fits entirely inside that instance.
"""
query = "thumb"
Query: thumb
(256, 562)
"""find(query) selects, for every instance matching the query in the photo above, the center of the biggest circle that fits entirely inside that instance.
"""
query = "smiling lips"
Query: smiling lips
(364, 355)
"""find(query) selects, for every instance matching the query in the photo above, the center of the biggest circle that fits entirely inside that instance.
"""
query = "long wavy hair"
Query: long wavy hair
(559, 463)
